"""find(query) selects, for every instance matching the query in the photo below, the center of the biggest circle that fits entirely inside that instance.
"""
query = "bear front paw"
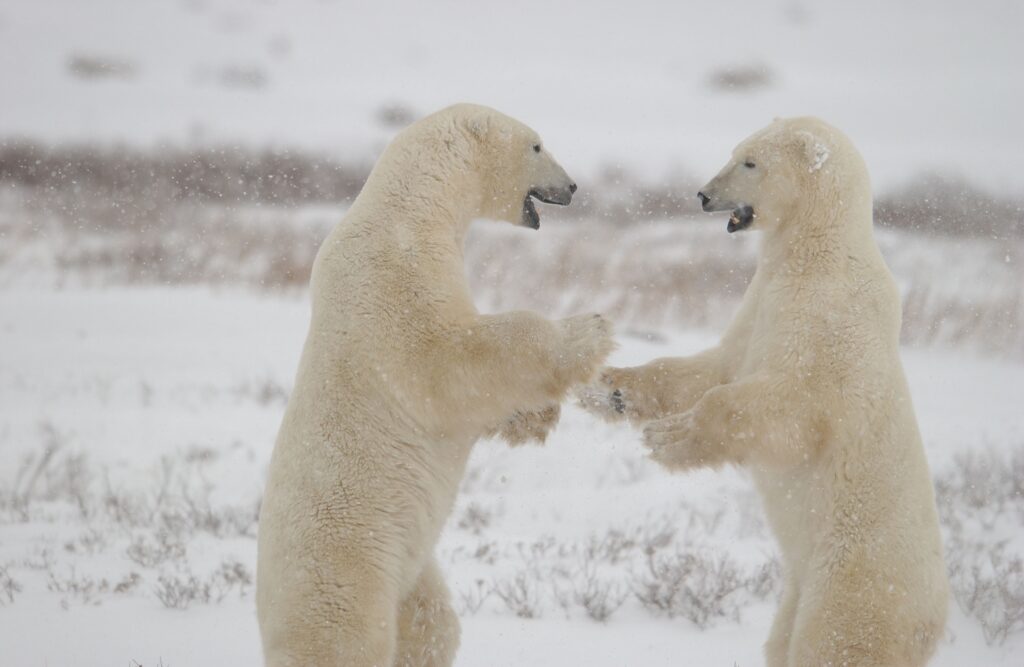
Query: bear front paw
(530, 426)
(620, 393)
(674, 443)
(603, 401)
(587, 342)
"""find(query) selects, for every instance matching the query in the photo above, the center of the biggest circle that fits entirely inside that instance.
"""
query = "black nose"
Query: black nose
(572, 188)
(704, 199)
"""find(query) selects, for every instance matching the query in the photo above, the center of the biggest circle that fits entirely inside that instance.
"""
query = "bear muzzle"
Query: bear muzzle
(742, 214)
(561, 196)
(554, 195)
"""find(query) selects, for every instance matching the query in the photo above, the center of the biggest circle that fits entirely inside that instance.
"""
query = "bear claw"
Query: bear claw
(618, 404)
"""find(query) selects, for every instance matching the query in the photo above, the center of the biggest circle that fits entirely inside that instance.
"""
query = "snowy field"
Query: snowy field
(136, 428)
(652, 87)
(150, 324)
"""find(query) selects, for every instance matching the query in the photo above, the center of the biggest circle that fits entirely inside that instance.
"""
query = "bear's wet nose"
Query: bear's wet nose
(572, 188)
(704, 199)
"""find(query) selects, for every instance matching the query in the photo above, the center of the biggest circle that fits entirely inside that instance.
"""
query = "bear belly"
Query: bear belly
(796, 508)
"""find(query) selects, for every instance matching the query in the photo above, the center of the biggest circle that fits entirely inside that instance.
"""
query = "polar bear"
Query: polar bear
(807, 391)
(398, 377)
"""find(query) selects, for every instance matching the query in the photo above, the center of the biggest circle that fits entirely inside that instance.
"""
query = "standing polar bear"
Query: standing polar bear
(806, 389)
(398, 377)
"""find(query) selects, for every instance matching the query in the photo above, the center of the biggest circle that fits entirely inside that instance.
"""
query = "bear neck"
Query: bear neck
(431, 204)
(819, 236)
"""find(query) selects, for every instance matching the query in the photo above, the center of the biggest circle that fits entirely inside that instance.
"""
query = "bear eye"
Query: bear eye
(749, 165)
(536, 148)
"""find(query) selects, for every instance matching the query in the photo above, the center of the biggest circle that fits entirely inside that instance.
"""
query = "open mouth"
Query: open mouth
(741, 218)
(531, 218)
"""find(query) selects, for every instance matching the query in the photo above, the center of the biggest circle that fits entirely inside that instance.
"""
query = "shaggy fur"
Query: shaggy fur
(399, 377)
(806, 390)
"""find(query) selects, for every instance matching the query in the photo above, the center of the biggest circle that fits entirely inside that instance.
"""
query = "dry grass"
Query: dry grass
(94, 67)
(121, 187)
(180, 591)
(521, 594)
(689, 273)
(82, 215)
(97, 188)
(934, 204)
(8, 586)
(695, 586)
(741, 78)
(600, 596)
(680, 565)
(174, 507)
(981, 504)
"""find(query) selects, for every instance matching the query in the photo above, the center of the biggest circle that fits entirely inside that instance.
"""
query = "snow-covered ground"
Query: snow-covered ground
(133, 538)
(136, 421)
(920, 85)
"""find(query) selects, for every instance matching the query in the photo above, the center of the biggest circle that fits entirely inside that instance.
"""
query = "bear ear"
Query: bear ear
(813, 149)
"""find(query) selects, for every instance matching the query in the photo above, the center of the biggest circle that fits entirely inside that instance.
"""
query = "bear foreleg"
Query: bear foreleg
(734, 423)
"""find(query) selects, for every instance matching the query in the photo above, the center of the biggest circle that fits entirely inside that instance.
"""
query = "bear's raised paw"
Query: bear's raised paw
(586, 342)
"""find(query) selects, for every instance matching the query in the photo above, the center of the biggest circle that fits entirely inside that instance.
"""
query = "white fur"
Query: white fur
(399, 376)
(806, 390)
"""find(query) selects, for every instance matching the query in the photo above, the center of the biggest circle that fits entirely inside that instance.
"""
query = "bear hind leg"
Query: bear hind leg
(776, 649)
(348, 619)
(847, 631)
(428, 628)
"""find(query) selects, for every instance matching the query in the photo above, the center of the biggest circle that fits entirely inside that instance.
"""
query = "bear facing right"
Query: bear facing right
(399, 377)
(807, 391)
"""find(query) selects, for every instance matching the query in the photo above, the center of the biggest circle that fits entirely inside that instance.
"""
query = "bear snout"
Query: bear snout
(554, 195)
(712, 203)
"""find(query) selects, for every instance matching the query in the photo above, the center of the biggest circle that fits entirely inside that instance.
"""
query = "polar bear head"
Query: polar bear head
(514, 165)
(490, 160)
(786, 172)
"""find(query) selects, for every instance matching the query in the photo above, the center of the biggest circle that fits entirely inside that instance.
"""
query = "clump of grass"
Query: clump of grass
(94, 67)
(180, 591)
(697, 586)
(8, 586)
(155, 548)
(988, 584)
(521, 594)
(935, 204)
(981, 503)
(475, 519)
(472, 599)
(598, 595)
(741, 78)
